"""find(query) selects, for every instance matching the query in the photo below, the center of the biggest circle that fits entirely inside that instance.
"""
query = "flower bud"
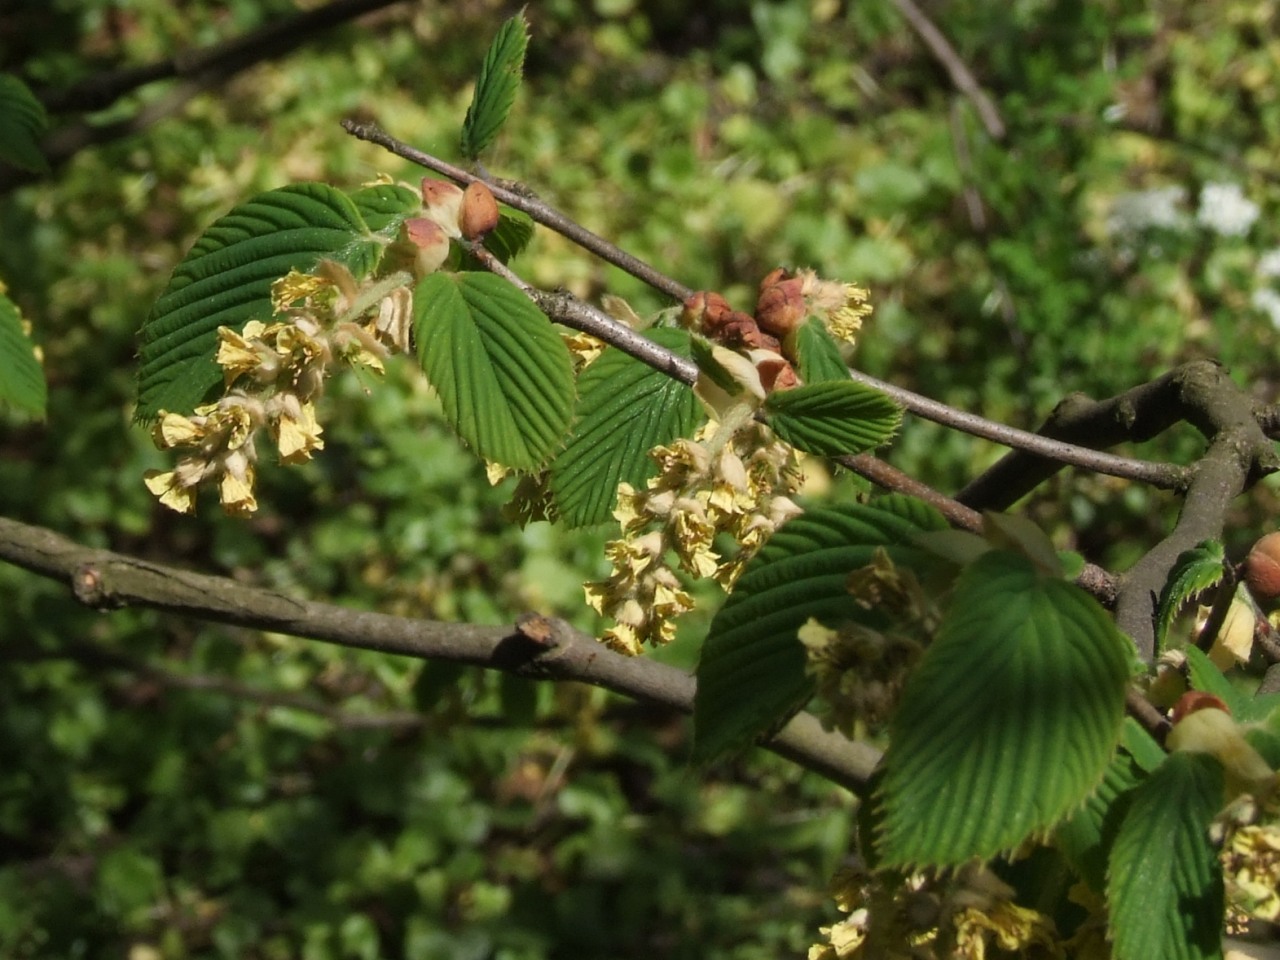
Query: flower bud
(443, 201)
(479, 211)
(430, 241)
(776, 373)
(781, 306)
(1262, 568)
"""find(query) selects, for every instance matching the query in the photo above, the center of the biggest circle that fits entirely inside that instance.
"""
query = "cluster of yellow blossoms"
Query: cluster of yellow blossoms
(724, 481)
(275, 374)
(968, 916)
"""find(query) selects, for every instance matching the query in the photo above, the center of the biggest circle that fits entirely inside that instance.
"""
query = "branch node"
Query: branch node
(89, 586)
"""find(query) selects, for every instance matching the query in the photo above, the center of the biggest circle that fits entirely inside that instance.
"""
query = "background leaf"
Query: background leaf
(22, 121)
(625, 408)
(1195, 570)
(1164, 884)
(503, 374)
(21, 376)
(1008, 721)
(496, 87)
(752, 673)
(225, 280)
(833, 418)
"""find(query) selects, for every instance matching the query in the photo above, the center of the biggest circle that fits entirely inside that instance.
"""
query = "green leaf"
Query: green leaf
(1208, 678)
(817, 353)
(225, 280)
(1164, 884)
(511, 235)
(1085, 838)
(751, 677)
(503, 374)
(1011, 532)
(21, 376)
(1009, 720)
(833, 418)
(1196, 570)
(625, 409)
(496, 87)
(384, 206)
(22, 121)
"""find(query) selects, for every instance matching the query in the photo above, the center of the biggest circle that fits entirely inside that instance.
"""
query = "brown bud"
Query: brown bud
(781, 306)
(1195, 700)
(437, 193)
(431, 242)
(705, 311)
(1262, 568)
(479, 211)
(772, 277)
(776, 374)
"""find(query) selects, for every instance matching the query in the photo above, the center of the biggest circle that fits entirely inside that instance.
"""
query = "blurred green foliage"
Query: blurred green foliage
(175, 789)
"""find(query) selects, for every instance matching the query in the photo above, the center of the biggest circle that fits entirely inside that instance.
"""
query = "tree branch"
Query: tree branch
(535, 648)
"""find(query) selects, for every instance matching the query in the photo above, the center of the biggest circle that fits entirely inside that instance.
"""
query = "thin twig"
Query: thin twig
(960, 74)
(520, 198)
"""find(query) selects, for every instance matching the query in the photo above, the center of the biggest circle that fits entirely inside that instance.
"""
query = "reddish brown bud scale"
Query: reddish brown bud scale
(777, 375)
(781, 306)
(1262, 568)
(479, 213)
(1195, 700)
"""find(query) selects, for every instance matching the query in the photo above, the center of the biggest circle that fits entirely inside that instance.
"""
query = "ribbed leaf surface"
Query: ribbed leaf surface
(496, 87)
(817, 353)
(1196, 569)
(225, 280)
(833, 418)
(1164, 884)
(752, 674)
(625, 409)
(503, 374)
(384, 206)
(22, 121)
(21, 376)
(1009, 720)
(1085, 838)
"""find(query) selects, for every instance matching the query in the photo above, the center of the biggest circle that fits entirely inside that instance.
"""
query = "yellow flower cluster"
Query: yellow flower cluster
(730, 482)
(282, 368)
(968, 916)
(860, 671)
(1251, 863)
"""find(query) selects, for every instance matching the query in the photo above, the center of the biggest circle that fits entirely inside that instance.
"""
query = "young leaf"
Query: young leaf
(1164, 883)
(225, 280)
(752, 674)
(496, 87)
(384, 206)
(816, 352)
(21, 376)
(503, 374)
(1008, 721)
(625, 409)
(1195, 570)
(1011, 532)
(511, 235)
(22, 121)
(833, 418)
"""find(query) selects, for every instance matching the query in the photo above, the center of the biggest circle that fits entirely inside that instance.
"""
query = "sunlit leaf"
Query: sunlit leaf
(1195, 571)
(752, 673)
(1164, 882)
(503, 374)
(817, 353)
(833, 418)
(1008, 721)
(225, 280)
(625, 408)
(496, 87)
(1206, 677)
(384, 206)
(21, 376)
